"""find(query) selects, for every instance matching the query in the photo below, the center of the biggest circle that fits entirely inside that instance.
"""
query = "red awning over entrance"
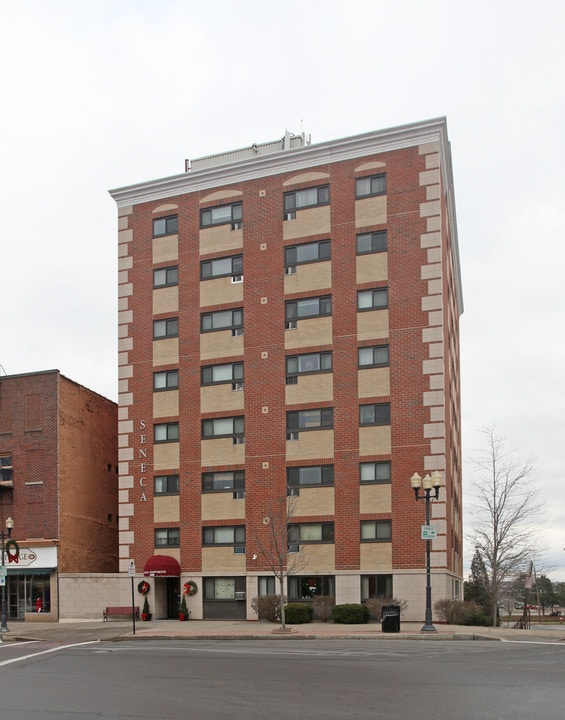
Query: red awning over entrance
(161, 566)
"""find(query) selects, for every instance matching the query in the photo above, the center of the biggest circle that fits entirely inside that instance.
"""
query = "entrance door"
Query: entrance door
(173, 597)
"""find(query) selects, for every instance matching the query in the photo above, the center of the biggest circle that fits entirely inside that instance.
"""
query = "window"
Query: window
(378, 414)
(163, 277)
(376, 356)
(375, 472)
(266, 586)
(222, 267)
(310, 475)
(309, 307)
(307, 253)
(306, 198)
(371, 242)
(165, 328)
(228, 373)
(374, 586)
(223, 427)
(306, 587)
(223, 535)
(166, 380)
(165, 225)
(222, 320)
(222, 215)
(166, 484)
(6, 469)
(310, 419)
(223, 481)
(376, 530)
(167, 537)
(166, 432)
(223, 588)
(367, 186)
(376, 299)
(300, 533)
(308, 363)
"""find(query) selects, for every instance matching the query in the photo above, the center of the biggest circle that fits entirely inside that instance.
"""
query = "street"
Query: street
(282, 679)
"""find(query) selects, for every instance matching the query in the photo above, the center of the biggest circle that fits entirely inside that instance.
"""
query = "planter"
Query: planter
(183, 616)
(146, 616)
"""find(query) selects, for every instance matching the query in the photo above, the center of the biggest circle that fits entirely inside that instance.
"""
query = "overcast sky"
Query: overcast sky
(98, 94)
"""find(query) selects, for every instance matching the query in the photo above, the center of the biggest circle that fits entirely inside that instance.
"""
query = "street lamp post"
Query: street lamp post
(430, 485)
(9, 526)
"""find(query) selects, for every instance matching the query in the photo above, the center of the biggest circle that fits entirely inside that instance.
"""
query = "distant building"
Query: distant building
(58, 484)
(289, 326)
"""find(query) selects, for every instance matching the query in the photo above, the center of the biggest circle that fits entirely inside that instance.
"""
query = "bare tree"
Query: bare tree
(273, 546)
(505, 511)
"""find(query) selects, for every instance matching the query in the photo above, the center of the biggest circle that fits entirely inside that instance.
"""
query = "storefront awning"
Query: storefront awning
(161, 566)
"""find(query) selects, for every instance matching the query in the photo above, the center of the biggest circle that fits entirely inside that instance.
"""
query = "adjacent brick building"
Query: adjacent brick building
(289, 327)
(58, 484)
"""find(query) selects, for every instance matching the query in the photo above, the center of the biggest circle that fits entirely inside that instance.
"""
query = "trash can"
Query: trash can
(391, 618)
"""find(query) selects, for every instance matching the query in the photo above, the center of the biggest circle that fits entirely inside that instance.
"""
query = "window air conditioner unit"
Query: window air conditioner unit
(236, 226)
(292, 380)
(290, 216)
(239, 495)
(237, 278)
(237, 386)
(239, 550)
(293, 548)
(293, 492)
(239, 440)
(290, 270)
(291, 325)
(292, 436)
(237, 331)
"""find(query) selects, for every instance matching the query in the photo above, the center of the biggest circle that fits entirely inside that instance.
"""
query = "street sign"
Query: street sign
(3, 571)
(2, 580)
(131, 569)
(429, 532)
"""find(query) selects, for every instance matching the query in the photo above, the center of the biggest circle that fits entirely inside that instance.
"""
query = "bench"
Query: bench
(120, 611)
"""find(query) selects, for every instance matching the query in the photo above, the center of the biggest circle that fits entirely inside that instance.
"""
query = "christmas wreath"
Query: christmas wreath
(13, 551)
(190, 588)
(143, 587)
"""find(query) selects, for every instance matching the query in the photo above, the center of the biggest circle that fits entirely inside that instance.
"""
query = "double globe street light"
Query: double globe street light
(9, 526)
(430, 485)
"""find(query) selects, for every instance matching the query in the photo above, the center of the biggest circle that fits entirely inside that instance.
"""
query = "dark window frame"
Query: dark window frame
(327, 532)
(233, 434)
(172, 270)
(172, 537)
(209, 369)
(294, 418)
(377, 524)
(384, 466)
(170, 426)
(7, 467)
(323, 356)
(168, 375)
(237, 481)
(291, 308)
(321, 246)
(376, 240)
(235, 324)
(376, 293)
(289, 199)
(171, 483)
(293, 479)
(170, 332)
(378, 409)
(375, 350)
(238, 530)
(236, 267)
(375, 186)
(171, 225)
(236, 215)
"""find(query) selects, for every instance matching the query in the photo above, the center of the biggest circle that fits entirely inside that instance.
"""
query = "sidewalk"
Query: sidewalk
(82, 631)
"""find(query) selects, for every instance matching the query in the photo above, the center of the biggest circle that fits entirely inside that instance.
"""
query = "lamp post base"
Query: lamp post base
(428, 627)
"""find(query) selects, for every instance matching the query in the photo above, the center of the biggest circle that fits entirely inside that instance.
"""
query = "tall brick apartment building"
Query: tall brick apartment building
(58, 484)
(289, 327)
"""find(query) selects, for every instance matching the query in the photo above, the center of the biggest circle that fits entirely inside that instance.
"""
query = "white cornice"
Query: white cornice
(286, 161)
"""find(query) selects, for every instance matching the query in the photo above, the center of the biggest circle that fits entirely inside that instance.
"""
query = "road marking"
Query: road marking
(44, 652)
(555, 643)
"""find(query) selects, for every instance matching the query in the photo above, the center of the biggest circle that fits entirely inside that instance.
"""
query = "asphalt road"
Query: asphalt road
(272, 680)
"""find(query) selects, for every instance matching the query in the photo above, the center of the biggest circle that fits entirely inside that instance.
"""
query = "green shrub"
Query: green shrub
(323, 606)
(267, 607)
(298, 613)
(351, 614)
(375, 606)
(461, 612)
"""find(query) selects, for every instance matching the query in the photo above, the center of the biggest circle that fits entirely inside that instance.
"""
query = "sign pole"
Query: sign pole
(131, 573)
